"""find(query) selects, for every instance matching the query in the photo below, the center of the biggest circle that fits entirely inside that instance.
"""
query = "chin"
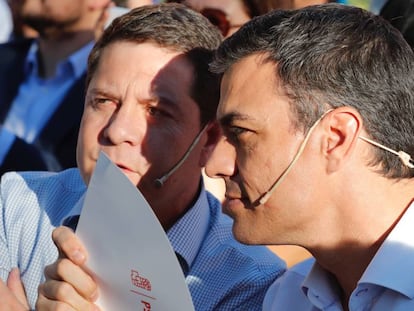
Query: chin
(242, 234)
(132, 177)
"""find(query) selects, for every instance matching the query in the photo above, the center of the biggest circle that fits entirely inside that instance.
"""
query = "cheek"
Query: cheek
(84, 162)
(257, 168)
(85, 135)
(88, 147)
(92, 125)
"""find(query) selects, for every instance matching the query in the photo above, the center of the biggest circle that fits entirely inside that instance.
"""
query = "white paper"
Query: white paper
(129, 252)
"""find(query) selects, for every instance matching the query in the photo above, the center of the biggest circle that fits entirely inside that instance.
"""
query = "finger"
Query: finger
(69, 245)
(15, 284)
(65, 270)
(56, 293)
(7, 299)
(44, 304)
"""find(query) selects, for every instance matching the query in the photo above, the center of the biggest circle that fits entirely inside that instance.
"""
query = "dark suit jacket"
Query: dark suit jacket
(55, 148)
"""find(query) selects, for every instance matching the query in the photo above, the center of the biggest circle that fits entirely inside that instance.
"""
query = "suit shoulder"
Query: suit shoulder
(16, 48)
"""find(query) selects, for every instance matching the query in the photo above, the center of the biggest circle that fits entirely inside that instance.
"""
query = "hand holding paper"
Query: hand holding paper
(129, 252)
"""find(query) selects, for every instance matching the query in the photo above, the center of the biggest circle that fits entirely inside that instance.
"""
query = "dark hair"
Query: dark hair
(333, 55)
(177, 28)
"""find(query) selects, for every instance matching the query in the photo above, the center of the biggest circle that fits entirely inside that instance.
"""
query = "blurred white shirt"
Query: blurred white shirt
(6, 25)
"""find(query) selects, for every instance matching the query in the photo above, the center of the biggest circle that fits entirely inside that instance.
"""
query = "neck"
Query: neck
(169, 209)
(359, 232)
(346, 264)
(53, 50)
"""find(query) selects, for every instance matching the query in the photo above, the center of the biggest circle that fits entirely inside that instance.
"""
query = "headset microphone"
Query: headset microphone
(266, 196)
(159, 182)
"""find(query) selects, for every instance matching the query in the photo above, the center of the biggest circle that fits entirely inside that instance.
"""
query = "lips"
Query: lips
(232, 204)
(124, 167)
(233, 196)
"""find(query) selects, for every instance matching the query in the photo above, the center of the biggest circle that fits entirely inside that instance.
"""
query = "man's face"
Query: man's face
(258, 143)
(138, 110)
(45, 14)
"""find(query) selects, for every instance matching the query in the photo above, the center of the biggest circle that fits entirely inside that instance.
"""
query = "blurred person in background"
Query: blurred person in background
(400, 13)
(376, 5)
(6, 21)
(132, 3)
(302, 3)
(20, 28)
(42, 83)
(230, 15)
(136, 3)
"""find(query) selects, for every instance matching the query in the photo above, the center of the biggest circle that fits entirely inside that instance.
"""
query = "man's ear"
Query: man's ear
(213, 133)
(343, 126)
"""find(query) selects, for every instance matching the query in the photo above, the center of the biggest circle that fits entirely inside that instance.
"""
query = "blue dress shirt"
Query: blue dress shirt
(222, 273)
(38, 98)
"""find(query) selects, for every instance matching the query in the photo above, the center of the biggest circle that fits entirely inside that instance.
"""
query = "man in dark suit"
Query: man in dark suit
(42, 84)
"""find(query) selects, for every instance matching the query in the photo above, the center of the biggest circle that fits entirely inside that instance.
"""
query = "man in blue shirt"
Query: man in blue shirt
(316, 111)
(150, 106)
(42, 84)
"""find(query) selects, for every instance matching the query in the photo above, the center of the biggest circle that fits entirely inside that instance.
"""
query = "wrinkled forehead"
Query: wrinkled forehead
(145, 66)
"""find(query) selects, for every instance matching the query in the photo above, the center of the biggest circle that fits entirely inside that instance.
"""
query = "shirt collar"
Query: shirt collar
(31, 64)
(76, 61)
(320, 287)
(385, 269)
(187, 234)
(76, 210)
(391, 271)
(79, 59)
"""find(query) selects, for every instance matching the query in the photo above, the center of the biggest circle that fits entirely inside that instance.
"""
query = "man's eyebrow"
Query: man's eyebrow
(231, 117)
(98, 91)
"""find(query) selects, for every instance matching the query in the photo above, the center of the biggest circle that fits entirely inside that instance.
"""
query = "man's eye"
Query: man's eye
(234, 133)
(153, 111)
(99, 101)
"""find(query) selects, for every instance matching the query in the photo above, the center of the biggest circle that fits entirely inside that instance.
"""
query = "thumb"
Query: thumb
(14, 283)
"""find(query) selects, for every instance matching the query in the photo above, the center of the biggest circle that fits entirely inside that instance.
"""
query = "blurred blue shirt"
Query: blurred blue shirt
(38, 98)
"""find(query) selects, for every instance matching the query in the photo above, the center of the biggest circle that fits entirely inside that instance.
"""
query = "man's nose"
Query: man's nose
(222, 161)
(126, 125)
